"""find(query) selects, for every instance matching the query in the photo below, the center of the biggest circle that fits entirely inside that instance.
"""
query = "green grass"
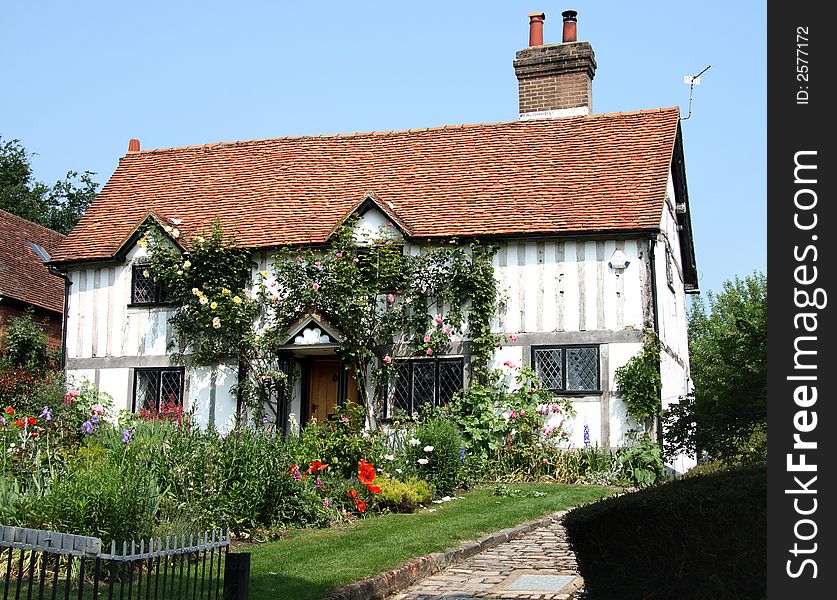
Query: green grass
(309, 563)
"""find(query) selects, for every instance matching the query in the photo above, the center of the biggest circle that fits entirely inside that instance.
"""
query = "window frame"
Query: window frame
(389, 405)
(159, 293)
(160, 370)
(564, 348)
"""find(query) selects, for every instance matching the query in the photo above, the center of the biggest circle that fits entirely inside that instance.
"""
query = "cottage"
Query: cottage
(26, 286)
(590, 213)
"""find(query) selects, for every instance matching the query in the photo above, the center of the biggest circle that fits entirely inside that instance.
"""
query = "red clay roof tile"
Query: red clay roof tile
(600, 173)
(23, 276)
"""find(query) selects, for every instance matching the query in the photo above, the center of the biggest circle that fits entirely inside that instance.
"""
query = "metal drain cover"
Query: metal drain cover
(539, 583)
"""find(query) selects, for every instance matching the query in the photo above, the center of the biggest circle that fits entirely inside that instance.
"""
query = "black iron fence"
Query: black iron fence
(50, 565)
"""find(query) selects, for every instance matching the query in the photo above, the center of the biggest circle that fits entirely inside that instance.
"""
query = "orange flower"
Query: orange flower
(373, 488)
(316, 466)
(10, 410)
(366, 472)
(19, 422)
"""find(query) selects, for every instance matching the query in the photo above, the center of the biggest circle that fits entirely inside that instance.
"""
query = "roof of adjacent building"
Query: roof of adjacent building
(593, 174)
(23, 275)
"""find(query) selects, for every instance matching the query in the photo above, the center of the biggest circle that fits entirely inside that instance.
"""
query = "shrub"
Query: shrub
(26, 346)
(115, 498)
(438, 442)
(341, 442)
(698, 537)
(402, 496)
(642, 463)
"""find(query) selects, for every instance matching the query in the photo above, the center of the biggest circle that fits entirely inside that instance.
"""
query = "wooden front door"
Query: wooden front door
(328, 385)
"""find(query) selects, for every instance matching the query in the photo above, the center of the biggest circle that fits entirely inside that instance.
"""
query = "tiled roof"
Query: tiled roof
(600, 173)
(23, 276)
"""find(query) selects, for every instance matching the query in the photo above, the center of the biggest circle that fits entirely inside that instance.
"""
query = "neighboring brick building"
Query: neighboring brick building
(25, 281)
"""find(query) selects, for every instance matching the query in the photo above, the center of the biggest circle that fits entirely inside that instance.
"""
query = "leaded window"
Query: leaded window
(568, 369)
(144, 290)
(425, 382)
(158, 389)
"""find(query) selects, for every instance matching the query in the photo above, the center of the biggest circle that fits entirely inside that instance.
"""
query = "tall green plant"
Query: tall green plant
(639, 381)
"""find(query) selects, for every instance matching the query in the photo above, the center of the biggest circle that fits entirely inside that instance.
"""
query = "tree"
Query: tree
(58, 207)
(728, 349)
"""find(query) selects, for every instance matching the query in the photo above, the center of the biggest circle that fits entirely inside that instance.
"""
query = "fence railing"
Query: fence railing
(50, 565)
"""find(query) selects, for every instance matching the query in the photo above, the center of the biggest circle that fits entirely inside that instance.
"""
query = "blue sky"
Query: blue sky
(82, 78)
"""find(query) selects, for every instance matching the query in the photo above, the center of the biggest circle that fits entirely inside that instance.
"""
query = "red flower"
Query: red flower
(10, 410)
(31, 420)
(361, 505)
(365, 472)
(292, 469)
(19, 422)
(316, 466)
(373, 488)
(352, 493)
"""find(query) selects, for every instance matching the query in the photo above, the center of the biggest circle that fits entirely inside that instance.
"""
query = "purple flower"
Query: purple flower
(127, 434)
(3, 421)
(88, 427)
(319, 483)
(46, 414)
(95, 420)
(586, 435)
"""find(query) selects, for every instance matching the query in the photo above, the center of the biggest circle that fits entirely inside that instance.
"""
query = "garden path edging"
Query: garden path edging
(385, 584)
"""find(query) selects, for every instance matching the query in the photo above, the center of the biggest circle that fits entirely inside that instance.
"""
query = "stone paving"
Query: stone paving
(539, 565)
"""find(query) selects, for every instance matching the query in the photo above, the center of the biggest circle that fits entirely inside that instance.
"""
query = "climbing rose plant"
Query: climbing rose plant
(386, 304)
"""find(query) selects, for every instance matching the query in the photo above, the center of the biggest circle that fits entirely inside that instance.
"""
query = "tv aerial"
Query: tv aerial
(692, 81)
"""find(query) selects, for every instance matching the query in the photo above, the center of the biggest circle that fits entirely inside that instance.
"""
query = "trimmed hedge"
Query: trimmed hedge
(697, 537)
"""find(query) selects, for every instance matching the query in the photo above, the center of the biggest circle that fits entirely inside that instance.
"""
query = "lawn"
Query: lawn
(309, 563)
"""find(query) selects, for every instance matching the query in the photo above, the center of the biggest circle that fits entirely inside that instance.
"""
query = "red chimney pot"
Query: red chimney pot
(570, 20)
(133, 145)
(536, 29)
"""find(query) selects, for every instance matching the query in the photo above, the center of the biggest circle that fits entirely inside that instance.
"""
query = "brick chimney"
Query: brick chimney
(555, 80)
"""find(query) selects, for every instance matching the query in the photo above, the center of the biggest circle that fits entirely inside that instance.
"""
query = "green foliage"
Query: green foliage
(113, 498)
(402, 496)
(639, 380)
(512, 434)
(728, 352)
(434, 450)
(697, 537)
(642, 464)
(26, 346)
(58, 207)
(341, 442)
(215, 313)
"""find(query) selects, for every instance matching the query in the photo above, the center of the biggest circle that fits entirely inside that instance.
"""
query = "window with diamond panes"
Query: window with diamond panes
(421, 382)
(144, 290)
(568, 368)
(154, 388)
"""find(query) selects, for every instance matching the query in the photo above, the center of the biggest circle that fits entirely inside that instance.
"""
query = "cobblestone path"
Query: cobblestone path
(538, 565)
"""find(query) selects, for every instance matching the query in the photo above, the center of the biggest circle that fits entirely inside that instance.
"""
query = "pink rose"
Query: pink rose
(513, 337)
(318, 264)
(427, 339)
(97, 409)
(430, 352)
(387, 359)
(390, 298)
(316, 286)
(339, 255)
(448, 330)
(438, 319)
